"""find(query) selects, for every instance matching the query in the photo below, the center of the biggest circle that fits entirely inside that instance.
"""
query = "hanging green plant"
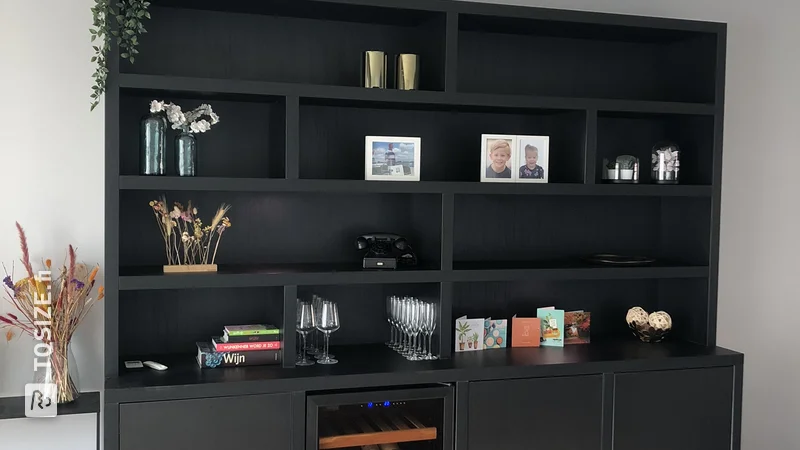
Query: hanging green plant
(129, 15)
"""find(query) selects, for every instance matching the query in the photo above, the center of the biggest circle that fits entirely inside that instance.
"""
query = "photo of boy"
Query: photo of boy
(533, 154)
(531, 169)
(498, 151)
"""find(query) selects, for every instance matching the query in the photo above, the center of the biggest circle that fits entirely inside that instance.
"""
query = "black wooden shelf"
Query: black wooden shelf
(170, 183)
(375, 365)
(151, 277)
(87, 403)
(352, 95)
(510, 271)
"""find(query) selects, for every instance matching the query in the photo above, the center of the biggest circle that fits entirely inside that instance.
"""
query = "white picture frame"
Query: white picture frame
(533, 146)
(491, 144)
(406, 152)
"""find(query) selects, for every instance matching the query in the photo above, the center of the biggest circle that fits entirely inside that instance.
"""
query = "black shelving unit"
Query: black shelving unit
(288, 155)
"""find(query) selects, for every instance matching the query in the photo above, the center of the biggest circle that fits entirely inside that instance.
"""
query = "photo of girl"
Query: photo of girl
(532, 158)
(498, 158)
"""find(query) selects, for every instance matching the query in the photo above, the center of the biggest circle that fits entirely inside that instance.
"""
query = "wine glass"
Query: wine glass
(327, 323)
(305, 323)
(318, 347)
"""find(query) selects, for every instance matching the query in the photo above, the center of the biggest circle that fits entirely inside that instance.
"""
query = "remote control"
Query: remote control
(155, 365)
(133, 364)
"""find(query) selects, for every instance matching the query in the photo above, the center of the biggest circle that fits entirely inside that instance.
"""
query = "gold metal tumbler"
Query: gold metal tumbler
(407, 75)
(374, 69)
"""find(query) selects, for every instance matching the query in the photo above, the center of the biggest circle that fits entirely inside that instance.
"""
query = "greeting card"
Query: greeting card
(526, 331)
(552, 326)
(494, 333)
(577, 326)
(469, 334)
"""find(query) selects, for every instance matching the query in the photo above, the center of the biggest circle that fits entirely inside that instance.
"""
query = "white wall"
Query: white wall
(52, 175)
(51, 148)
(760, 242)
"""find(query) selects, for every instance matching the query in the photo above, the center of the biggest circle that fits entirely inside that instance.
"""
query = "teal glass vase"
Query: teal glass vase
(152, 144)
(186, 154)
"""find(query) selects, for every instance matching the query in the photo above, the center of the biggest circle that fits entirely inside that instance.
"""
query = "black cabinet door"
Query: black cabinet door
(675, 409)
(242, 422)
(553, 413)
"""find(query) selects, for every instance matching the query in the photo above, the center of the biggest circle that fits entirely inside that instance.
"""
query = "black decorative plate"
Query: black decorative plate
(620, 260)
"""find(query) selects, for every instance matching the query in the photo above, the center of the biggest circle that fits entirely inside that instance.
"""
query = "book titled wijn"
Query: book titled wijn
(221, 346)
(250, 330)
(207, 358)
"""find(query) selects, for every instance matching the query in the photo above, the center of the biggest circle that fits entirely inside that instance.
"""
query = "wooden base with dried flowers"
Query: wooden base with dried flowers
(50, 307)
(189, 246)
(191, 268)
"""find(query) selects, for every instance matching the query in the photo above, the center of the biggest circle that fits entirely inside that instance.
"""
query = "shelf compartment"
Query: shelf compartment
(248, 141)
(606, 61)
(385, 428)
(635, 134)
(285, 42)
(608, 300)
(276, 236)
(332, 139)
(362, 308)
(508, 232)
(163, 322)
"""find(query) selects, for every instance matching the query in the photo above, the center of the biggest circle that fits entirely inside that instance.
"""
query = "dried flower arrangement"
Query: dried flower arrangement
(198, 120)
(187, 242)
(65, 298)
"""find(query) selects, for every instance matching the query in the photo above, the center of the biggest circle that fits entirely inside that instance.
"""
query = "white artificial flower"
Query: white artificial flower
(156, 106)
(174, 115)
(200, 126)
(214, 118)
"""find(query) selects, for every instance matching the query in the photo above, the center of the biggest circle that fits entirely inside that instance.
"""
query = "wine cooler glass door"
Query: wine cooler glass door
(402, 419)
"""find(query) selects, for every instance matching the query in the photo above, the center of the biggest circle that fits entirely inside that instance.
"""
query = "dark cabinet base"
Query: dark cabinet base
(675, 409)
(562, 413)
(656, 409)
(207, 424)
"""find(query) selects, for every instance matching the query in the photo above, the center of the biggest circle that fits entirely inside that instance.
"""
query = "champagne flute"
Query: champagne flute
(429, 326)
(405, 320)
(414, 324)
(314, 349)
(389, 303)
(306, 322)
(328, 323)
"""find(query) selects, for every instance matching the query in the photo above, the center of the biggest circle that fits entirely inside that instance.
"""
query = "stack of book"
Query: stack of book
(241, 345)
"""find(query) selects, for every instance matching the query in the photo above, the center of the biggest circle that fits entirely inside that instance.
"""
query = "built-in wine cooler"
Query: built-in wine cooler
(419, 418)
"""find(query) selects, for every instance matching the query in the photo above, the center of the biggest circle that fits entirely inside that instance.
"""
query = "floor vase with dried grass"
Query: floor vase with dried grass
(49, 305)
(61, 370)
